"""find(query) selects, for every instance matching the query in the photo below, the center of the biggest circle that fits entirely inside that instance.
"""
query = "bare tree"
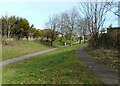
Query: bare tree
(8, 25)
(62, 24)
(95, 15)
(116, 8)
(82, 29)
(53, 24)
(117, 13)
(72, 18)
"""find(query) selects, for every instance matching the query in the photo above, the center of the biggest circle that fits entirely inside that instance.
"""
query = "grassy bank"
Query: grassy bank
(108, 58)
(57, 67)
(19, 48)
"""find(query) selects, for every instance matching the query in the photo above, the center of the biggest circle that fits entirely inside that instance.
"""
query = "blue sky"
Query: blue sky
(37, 13)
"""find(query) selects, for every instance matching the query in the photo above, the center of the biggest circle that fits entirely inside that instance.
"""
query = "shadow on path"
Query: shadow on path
(106, 75)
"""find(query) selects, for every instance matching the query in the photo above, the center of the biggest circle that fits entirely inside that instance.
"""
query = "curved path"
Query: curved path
(13, 60)
(106, 75)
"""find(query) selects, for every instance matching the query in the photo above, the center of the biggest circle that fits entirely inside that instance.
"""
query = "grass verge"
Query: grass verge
(57, 67)
(20, 48)
(108, 58)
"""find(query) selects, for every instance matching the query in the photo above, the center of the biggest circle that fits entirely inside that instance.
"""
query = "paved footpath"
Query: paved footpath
(13, 60)
(106, 75)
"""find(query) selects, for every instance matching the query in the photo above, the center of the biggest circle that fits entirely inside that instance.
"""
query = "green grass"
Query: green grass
(20, 48)
(61, 43)
(58, 43)
(61, 66)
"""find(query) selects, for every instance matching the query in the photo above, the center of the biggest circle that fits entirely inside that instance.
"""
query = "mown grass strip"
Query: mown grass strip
(57, 67)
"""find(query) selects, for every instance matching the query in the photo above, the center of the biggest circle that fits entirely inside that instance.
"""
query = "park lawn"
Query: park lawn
(61, 66)
(19, 48)
(58, 43)
(62, 43)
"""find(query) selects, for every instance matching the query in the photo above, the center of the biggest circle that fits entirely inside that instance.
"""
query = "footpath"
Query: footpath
(13, 60)
(106, 75)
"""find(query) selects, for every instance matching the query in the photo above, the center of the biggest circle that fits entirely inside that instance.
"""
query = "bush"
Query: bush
(108, 41)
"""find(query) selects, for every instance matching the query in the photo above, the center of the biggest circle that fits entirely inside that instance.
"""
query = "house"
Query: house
(113, 31)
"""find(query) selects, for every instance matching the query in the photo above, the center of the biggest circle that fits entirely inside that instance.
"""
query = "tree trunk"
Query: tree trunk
(95, 41)
(70, 40)
(84, 39)
(28, 38)
(51, 43)
(80, 41)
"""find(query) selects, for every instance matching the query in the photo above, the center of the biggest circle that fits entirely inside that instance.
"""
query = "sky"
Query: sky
(38, 12)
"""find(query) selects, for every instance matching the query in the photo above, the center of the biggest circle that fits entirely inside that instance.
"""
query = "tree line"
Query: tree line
(89, 19)
(19, 28)
(16, 27)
